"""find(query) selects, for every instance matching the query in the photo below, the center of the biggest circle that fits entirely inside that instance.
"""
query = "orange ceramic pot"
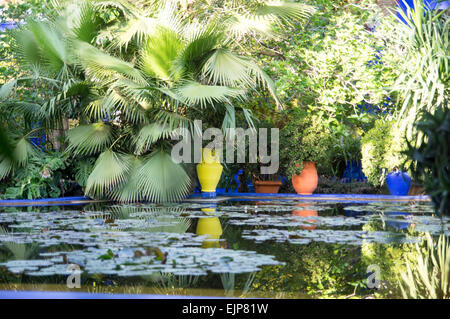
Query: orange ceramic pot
(306, 213)
(267, 186)
(306, 182)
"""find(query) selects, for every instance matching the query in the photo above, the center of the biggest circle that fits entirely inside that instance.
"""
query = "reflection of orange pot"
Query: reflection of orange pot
(267, 186)
(306, 182)
(306, 213)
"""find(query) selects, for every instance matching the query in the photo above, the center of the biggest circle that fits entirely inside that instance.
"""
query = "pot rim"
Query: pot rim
(268, 183)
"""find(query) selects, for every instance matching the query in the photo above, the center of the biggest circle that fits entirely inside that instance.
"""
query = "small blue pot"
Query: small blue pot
(398, 183)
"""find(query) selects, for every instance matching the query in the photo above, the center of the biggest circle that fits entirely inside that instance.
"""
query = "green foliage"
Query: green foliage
(128, 75)
(382, 148)
(430, 156)
(323, 271)
(428, 277)
(330, 63)
(423, 82)
(306, 137)
(44, 176)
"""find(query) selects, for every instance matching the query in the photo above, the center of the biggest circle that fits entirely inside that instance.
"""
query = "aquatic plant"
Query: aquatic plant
(429, 275)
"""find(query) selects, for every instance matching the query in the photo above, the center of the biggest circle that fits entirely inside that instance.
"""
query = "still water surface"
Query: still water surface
(235, 248)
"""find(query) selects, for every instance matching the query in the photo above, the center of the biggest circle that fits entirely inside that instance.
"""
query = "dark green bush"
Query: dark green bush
(430, 156)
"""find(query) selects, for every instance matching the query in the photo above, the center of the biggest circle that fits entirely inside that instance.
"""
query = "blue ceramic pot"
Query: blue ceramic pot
(402, 5)
(398, 183)
(398, 224)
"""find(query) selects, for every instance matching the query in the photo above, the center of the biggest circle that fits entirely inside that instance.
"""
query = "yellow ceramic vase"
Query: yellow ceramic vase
(209, 171)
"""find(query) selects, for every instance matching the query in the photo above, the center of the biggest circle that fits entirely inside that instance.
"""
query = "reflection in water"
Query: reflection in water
(399, 224)
(210, 226)
(263, 259)
(306, 213)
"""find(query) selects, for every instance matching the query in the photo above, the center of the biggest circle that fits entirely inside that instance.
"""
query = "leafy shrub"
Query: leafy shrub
(43, 176)
(381, 150)
(306, 137)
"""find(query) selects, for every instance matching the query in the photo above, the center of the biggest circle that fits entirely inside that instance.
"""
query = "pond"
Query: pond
(242, 248)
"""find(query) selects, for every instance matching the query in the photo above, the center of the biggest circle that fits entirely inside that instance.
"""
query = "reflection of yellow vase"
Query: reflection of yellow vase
(210, 226)
(209, 171)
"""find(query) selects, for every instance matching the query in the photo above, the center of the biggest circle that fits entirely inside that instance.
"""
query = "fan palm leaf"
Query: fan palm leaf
(194, 93)
(6, 165)
(226, 68)
(130, 190)
(110, 170)
(201, 43)
(267, 13)
(84, 21)
(21, 152)
(149, 134)
(90, 139)
(42, 45)
(284, 11)
(104, 67)
(136, 29)
(161, 180)
(159, 54)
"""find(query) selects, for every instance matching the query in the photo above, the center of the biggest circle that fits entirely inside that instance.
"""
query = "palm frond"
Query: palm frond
(128, 8)
(104, 67)
(32, 112)
(41, 45)
(7, 88)
(161, 180)
(149, 134)
(226, 68)
(239, 26)
(130, 190)
(6, 166)
(22, 151)
(285, 11)
(174, 120)
(129, 99)
(136, 29)
(264, 79)
(201, 43)
(84, 21)
(194, 93)
(83, 169)
(110, 170)
(261, 20)
(159, 54)
(90, 139)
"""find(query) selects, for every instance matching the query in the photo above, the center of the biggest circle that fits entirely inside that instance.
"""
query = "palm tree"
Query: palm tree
(142, 78)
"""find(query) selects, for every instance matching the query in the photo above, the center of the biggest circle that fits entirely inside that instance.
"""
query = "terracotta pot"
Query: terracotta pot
(306, 182)
(306, 213)
(267, 186)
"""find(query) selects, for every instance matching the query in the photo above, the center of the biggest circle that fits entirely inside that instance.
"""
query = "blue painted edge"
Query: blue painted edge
(59, 199)
(86, 295)
(322, 196)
